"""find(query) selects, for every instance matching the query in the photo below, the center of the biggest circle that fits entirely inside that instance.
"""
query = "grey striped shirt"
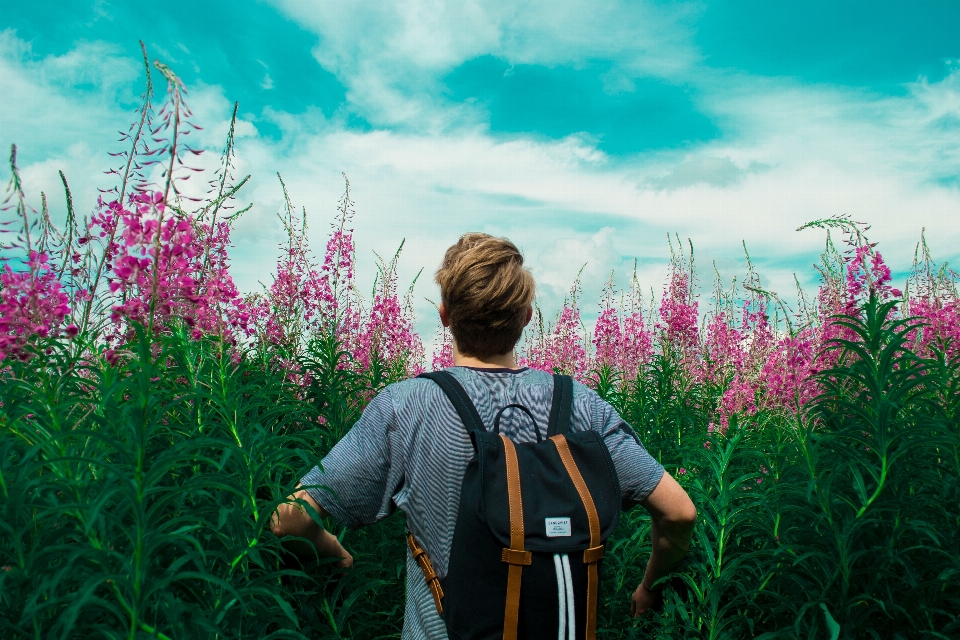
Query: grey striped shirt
(410, 451)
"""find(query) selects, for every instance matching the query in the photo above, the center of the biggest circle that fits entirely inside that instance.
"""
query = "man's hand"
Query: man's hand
(292, 519)
(329, 547)
(672, 517)
(645, 600)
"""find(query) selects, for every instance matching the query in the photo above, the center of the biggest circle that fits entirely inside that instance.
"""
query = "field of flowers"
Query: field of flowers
(153, 417)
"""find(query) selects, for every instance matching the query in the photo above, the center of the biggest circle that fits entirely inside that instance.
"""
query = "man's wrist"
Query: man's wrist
(326, 542)
(648, 589)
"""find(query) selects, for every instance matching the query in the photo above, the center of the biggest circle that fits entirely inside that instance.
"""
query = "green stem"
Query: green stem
(153, 631)
(876, 493)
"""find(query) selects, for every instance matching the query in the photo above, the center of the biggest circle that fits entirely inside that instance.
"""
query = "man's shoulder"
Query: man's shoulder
(469, 375)
(525, 376)
(597, 411)
(418, 391)
(588, 394)
(409, 385)
(415, 390)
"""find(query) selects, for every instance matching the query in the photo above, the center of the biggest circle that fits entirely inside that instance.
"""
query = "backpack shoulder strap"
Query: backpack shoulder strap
(458, 396)
(562, 405)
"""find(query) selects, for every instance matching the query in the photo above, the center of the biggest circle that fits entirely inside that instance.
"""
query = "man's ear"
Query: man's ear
(445, 317)
(529, 315)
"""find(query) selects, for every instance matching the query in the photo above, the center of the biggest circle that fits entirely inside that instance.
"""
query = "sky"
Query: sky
(584, 131)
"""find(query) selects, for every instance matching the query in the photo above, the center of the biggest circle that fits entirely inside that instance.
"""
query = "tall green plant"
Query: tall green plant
(137, 499)
(866, 510)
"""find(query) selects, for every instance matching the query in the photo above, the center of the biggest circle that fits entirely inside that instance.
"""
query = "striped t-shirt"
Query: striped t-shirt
(410, 450)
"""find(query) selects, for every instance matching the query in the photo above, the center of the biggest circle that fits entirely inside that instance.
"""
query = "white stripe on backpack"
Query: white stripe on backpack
(568, 619)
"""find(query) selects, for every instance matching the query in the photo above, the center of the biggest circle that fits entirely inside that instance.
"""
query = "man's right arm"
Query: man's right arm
(672, 517)
(354, 484)
(292, 519)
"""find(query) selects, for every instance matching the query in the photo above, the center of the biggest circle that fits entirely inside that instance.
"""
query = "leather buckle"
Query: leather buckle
(593, 554)
(513, 556)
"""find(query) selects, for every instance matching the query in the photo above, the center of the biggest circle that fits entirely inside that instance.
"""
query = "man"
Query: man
(409, 450)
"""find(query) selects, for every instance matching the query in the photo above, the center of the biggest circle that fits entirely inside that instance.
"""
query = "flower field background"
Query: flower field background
(153, 417)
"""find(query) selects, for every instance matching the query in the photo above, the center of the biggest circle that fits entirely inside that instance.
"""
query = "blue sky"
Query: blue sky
(585, 131)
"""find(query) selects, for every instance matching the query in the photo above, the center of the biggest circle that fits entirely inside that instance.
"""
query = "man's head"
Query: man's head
(486, 293)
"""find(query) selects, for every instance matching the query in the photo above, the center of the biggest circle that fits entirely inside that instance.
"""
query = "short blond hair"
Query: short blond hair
(486, 291)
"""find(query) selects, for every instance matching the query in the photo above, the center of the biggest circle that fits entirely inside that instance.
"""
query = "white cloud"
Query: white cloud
(789, 153)
(95, 70)
(591, 256)
(703, 169)
(61, 112)
(66, 113)
(390, 55)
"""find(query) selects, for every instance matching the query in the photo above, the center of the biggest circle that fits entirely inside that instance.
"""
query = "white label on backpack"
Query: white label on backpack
(558, 527)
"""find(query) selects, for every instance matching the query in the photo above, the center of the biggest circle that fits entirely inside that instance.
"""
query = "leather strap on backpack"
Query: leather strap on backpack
(592, 555)
(515, 556)
(429, 575)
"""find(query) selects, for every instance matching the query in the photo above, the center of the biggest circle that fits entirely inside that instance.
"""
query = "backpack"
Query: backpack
(529, 537)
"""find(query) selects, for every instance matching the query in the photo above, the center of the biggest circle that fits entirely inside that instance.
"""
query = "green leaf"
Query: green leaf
(832, 625)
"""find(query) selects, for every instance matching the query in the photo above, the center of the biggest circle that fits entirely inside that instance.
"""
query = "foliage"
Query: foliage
(137, 497)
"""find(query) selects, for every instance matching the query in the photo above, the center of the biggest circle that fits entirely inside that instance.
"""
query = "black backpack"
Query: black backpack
(529, 538)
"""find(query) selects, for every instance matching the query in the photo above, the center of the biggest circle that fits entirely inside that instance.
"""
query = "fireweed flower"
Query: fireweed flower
(562, 350)
(787, 372)
(939, 324)
(723, 351)
(739, 397)
(679, 317)
(306, 299)
(637, 346)
(636, 337)
(166, 266)
(623, 347)
(866, 273)
(608, 339)
(33, 304)
(169, 266)
(388, 335)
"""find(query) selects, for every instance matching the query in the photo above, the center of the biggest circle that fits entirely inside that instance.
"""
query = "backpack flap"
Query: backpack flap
(555, 520)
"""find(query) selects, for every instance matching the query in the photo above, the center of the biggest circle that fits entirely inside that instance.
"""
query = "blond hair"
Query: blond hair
(486, 291)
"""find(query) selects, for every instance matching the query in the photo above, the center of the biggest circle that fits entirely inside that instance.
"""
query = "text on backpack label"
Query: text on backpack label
(558, 527)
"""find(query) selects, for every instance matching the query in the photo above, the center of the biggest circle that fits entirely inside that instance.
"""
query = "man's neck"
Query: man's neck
(500, 361)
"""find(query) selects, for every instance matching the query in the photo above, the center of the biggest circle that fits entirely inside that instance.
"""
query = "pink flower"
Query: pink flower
(622, 347)
(608, 339)
(679, 317)
(167, 268)
(561, 350)
(32, 304)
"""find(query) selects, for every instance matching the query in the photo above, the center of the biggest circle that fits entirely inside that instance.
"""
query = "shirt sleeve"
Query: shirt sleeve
(637, 471)
(356, 481)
